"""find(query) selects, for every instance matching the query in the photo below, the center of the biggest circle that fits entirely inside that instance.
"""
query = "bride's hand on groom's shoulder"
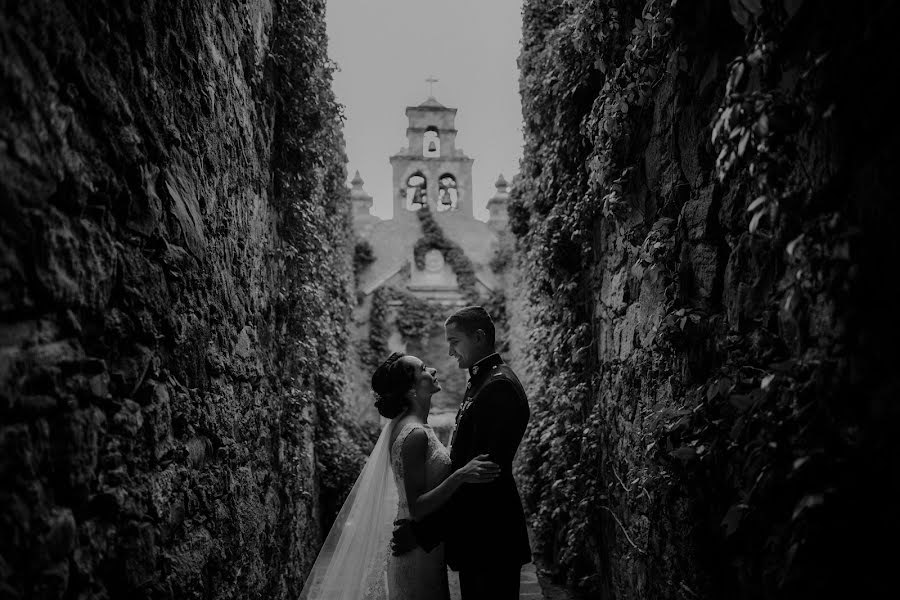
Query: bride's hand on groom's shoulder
(478, 470)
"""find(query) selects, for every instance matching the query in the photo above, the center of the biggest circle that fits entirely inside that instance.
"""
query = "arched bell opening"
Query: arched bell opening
(448, 194)
(416, 191)
(431, 143)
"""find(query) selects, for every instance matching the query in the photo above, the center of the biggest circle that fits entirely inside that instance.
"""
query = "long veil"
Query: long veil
(352, 563)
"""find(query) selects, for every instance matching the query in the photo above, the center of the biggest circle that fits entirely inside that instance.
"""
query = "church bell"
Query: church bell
(432, 147)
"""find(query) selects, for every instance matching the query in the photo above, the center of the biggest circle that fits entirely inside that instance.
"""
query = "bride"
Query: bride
(407, 476)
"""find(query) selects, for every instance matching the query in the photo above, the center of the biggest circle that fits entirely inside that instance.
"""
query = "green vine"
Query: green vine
(363, 256)
(757, 122)
(588, 74)
(434, 238)
(416, 318)
(379, 332)
(313, 308)
(726, 390)
(621, 103)
(495, 305)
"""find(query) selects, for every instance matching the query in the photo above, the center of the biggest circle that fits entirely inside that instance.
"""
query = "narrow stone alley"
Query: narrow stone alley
(689, 273)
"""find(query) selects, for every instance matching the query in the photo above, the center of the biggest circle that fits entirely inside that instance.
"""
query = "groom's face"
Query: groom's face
(465, 347)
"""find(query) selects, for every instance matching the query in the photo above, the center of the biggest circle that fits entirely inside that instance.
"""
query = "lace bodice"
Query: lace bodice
(418, 575)
(437, 463)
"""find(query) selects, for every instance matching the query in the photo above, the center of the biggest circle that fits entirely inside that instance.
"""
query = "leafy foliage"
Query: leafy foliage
(417, 318)
(703, 460)
(588, 69)
(433, 237)
(363, 256)
(316, 299)
(495, 305)
(757, 121)
(379, 330)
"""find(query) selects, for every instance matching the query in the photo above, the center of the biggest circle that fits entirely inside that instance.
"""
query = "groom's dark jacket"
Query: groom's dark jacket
(483, 524)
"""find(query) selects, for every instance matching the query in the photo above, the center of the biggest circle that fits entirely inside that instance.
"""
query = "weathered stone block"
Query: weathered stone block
(60, 538)
(698, 216)
(76, 444)
(613, 289)
(184, 205)
(164, 486)
(129, 419)
(700, 270)
(157, 417)
(145, 208)
(77, 262)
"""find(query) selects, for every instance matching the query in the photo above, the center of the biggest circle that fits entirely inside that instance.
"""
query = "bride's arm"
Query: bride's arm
(422, 503)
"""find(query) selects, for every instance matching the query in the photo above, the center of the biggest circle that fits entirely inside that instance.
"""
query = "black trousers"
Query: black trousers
(490, 583)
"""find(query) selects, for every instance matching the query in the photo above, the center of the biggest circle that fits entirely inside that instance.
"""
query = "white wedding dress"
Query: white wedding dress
(418, 575)
(355, 562)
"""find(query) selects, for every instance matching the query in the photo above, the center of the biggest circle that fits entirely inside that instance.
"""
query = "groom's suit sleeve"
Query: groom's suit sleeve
(432, 529)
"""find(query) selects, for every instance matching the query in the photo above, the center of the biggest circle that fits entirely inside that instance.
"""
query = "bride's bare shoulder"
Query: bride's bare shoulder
(400, 425)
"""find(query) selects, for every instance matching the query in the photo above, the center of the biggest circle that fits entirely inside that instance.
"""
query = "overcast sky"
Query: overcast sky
(385, 49)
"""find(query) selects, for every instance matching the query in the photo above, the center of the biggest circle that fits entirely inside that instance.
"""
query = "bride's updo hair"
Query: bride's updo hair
(390, 382)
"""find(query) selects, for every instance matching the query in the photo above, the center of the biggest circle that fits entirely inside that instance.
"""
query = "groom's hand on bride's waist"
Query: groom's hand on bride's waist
(403, 540)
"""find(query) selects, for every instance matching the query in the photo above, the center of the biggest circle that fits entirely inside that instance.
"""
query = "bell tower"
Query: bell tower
(431, 169)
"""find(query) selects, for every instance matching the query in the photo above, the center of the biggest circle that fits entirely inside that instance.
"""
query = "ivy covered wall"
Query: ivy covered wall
(175, 285)
(706, 233)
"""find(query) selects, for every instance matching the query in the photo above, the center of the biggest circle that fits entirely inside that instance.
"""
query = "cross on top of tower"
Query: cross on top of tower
(430, 80)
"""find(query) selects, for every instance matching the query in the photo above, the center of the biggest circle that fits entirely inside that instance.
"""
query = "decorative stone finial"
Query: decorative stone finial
(497, 205)
(362, 201)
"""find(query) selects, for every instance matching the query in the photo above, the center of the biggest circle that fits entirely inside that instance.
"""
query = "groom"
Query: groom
(482, 526)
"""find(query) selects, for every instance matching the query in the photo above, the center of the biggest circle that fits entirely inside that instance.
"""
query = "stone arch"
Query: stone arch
(416, 191)
(448, 193)
(432, 136)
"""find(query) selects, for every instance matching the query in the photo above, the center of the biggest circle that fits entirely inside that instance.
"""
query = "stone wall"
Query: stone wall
(713, 390)
(173, 301)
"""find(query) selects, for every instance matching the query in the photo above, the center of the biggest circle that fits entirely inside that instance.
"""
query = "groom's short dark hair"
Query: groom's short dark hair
(472, 318)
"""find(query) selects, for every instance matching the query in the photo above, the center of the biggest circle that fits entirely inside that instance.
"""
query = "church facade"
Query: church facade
(430, 258)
